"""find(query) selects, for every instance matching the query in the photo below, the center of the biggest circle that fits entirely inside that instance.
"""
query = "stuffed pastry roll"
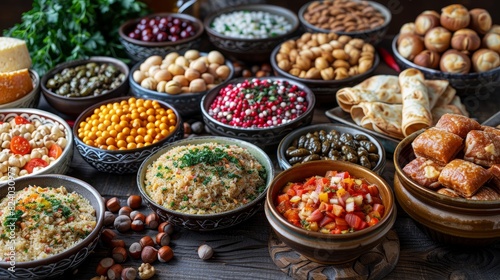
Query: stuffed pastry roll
(438, 145)
(482, 148)
(424, 171)
(464, 177)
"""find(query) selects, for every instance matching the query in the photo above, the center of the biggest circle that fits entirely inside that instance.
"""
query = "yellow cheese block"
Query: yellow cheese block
(14, 85)
(14, 54)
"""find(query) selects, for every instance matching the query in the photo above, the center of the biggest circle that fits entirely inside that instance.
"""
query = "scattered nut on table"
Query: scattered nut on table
(146, 271)
(205, 252)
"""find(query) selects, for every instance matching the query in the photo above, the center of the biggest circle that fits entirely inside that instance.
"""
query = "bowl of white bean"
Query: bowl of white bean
(250, 32)
(33, 142)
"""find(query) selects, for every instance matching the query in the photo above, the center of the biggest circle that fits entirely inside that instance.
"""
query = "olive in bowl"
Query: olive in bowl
(207, 183)
(258, 110)
(33, 142)
(250, 32)
(71, 87)
(160, 34)
(116, 135)
(78, 228)
(164, 78)
(367, 20)
(320, 222)
(331, 142)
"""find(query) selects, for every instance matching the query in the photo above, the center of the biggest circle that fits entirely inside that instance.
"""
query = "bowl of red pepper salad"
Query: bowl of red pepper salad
(330, 211)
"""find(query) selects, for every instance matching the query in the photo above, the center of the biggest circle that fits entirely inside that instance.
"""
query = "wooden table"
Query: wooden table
(241, 252)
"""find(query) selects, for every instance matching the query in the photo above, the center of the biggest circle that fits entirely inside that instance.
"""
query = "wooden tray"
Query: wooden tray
(338, 115)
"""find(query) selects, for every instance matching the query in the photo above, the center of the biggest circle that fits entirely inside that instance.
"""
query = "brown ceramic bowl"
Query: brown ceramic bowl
(207, 222)
(65, 262)
(139, 50)
(447, 220)
(73, 106)
(250, 49)
(325, 247)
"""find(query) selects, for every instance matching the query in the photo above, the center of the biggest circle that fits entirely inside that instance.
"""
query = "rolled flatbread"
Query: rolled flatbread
(380, 117)
(416, 112)
(379, 88)
(435, 89)
(447, 96)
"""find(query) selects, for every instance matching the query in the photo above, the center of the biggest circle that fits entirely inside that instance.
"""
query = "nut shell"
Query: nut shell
(410, 45)
(454, 17)
(480, 20)
(465, 40)
(438, 39)
(428, 59)
(453, 61)
(485, 60)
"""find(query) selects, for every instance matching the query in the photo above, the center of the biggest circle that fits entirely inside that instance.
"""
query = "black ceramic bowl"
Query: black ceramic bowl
(73, 106)
(185, 103)
(294, 136)
(466, 84)
(31, 99)
(138, 50)
(324, 90)
(66, 261)
(251, 50)
(121, 161)
(265, 138)
(208, 222)
(373, 36)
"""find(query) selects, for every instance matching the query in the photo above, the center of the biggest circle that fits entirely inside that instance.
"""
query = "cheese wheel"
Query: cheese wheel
(14, 85)
(14, 54)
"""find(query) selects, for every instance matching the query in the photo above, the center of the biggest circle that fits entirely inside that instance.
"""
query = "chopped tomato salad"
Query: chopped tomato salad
(335, 203)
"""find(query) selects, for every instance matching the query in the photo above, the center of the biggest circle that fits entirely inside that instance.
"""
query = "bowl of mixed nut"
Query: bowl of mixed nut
(33, 142)
(180, 79)
(250, 32)
(325, 62)
(71, 87)
(258, 110)
(367, 20)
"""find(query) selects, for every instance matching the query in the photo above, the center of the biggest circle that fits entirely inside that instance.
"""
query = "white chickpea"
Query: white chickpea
(5, 136)
(23, 172)
(14, 171)
(30, 127)
(4, 127)
(49, 143)
(27, 157)
(17, 161)
(36, 153)
(62, 142)
(44, 130)
(5, 144)
(46, 158)
(15, 132)
(3, 168)
(56, 132)
(4, 157)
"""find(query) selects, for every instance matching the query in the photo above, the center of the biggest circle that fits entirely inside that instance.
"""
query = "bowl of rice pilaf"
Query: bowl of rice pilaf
(206, 183)
(50, 225)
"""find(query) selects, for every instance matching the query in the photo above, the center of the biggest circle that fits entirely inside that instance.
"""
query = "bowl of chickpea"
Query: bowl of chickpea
(116, 135)
(33, 142)
(180, 79)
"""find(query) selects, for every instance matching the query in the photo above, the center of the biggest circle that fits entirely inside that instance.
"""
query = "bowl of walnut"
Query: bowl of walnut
(325, 62)
(448, 180)
(367, 20)
(180, 79)
(455, 44)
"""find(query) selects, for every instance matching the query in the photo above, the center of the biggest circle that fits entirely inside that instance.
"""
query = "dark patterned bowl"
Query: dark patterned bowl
(324, 90)
(121, 161)
(62, 164)
(326, 247)
(139, 50)
(480, 84)
(444, 219)
(265, 138)
(208, 222)
(251, 50)
(65, 262)
(187, 104)
(31, 99)
(73, 106)
(327, 127)
(372, 36)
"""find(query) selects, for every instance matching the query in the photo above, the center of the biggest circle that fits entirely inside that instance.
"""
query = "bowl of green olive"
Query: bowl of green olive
(329, 141)
(73, 86)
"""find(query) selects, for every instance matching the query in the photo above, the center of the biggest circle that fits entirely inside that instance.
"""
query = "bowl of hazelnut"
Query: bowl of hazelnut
(325, 62)
(455, 44)
(159, 34)
(367, 20)
(116, 135)
(250, 32)
(180, 79)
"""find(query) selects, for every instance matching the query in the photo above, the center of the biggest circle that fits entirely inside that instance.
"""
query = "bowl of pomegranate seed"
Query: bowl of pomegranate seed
(258, 110)
(160, 34)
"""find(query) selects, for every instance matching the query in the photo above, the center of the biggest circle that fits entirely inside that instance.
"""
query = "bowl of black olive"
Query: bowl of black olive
(330, 141)
(73, 86)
